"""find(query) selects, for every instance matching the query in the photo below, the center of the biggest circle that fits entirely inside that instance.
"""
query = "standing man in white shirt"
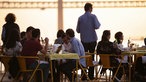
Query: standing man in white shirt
(86, 26)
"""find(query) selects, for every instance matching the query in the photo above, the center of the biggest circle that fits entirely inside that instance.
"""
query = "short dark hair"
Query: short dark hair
(22, 34)
(70, 32)
(35, 33)
(30, 28)
(60, 33)
(118, 35)
(10, 18)
(87, 6)
(63, 35)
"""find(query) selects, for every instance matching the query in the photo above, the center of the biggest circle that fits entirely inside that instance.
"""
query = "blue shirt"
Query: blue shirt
(78, 48)
(87, 23)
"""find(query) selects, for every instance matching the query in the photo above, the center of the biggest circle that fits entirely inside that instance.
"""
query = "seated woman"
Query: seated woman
(106, 47)
(66, 43)
(118, 41)
(31, 48)
(13, 46)
(66, 47)
(59, 35)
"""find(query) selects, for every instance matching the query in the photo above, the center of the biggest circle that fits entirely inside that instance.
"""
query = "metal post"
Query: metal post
(60, 14)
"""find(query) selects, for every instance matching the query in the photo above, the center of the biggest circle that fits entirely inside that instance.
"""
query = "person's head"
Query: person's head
(88, 7)
(70, 33)
(30, 28)
(29, 32)
(65, 38)
(60, 33)
(106, 35)
(22, 35)
(10, 18)
(145, 41)
(119, 37)
(13, 37)
(36, 33)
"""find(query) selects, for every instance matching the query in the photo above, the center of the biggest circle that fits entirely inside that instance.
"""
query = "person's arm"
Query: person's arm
(115, 49)
(78, 48)
(78, 26)
(44, 50)
(96, 22)
(3, 34)
(98, 48)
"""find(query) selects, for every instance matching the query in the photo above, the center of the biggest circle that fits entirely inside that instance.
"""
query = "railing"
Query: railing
(73, 4)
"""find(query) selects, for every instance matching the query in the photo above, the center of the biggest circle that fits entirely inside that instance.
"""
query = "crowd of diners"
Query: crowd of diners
(28, 43)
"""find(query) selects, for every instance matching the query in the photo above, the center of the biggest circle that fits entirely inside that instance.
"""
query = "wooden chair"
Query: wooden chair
(105, 62)
(5, 60)
(89, 63)
(24, 69)
(95, 63)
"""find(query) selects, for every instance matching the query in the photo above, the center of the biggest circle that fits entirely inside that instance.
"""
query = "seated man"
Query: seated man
(78, 48)
(31, 48)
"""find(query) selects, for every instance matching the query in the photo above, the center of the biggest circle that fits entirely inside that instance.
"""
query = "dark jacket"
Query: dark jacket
(7, 28)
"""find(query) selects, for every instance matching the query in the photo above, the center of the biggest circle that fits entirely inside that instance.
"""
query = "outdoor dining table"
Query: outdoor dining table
(133, 54)
(56, 56)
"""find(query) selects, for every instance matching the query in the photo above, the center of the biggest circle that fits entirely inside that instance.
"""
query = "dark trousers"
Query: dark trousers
(56, 71)
(45, 69)
(140, 67)
(90, 47)
(67, 68)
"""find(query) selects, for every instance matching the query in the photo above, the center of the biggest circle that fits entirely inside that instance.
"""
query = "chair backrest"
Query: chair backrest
(22, 61)
(5, 61)
(105, 60)
(89, 61)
